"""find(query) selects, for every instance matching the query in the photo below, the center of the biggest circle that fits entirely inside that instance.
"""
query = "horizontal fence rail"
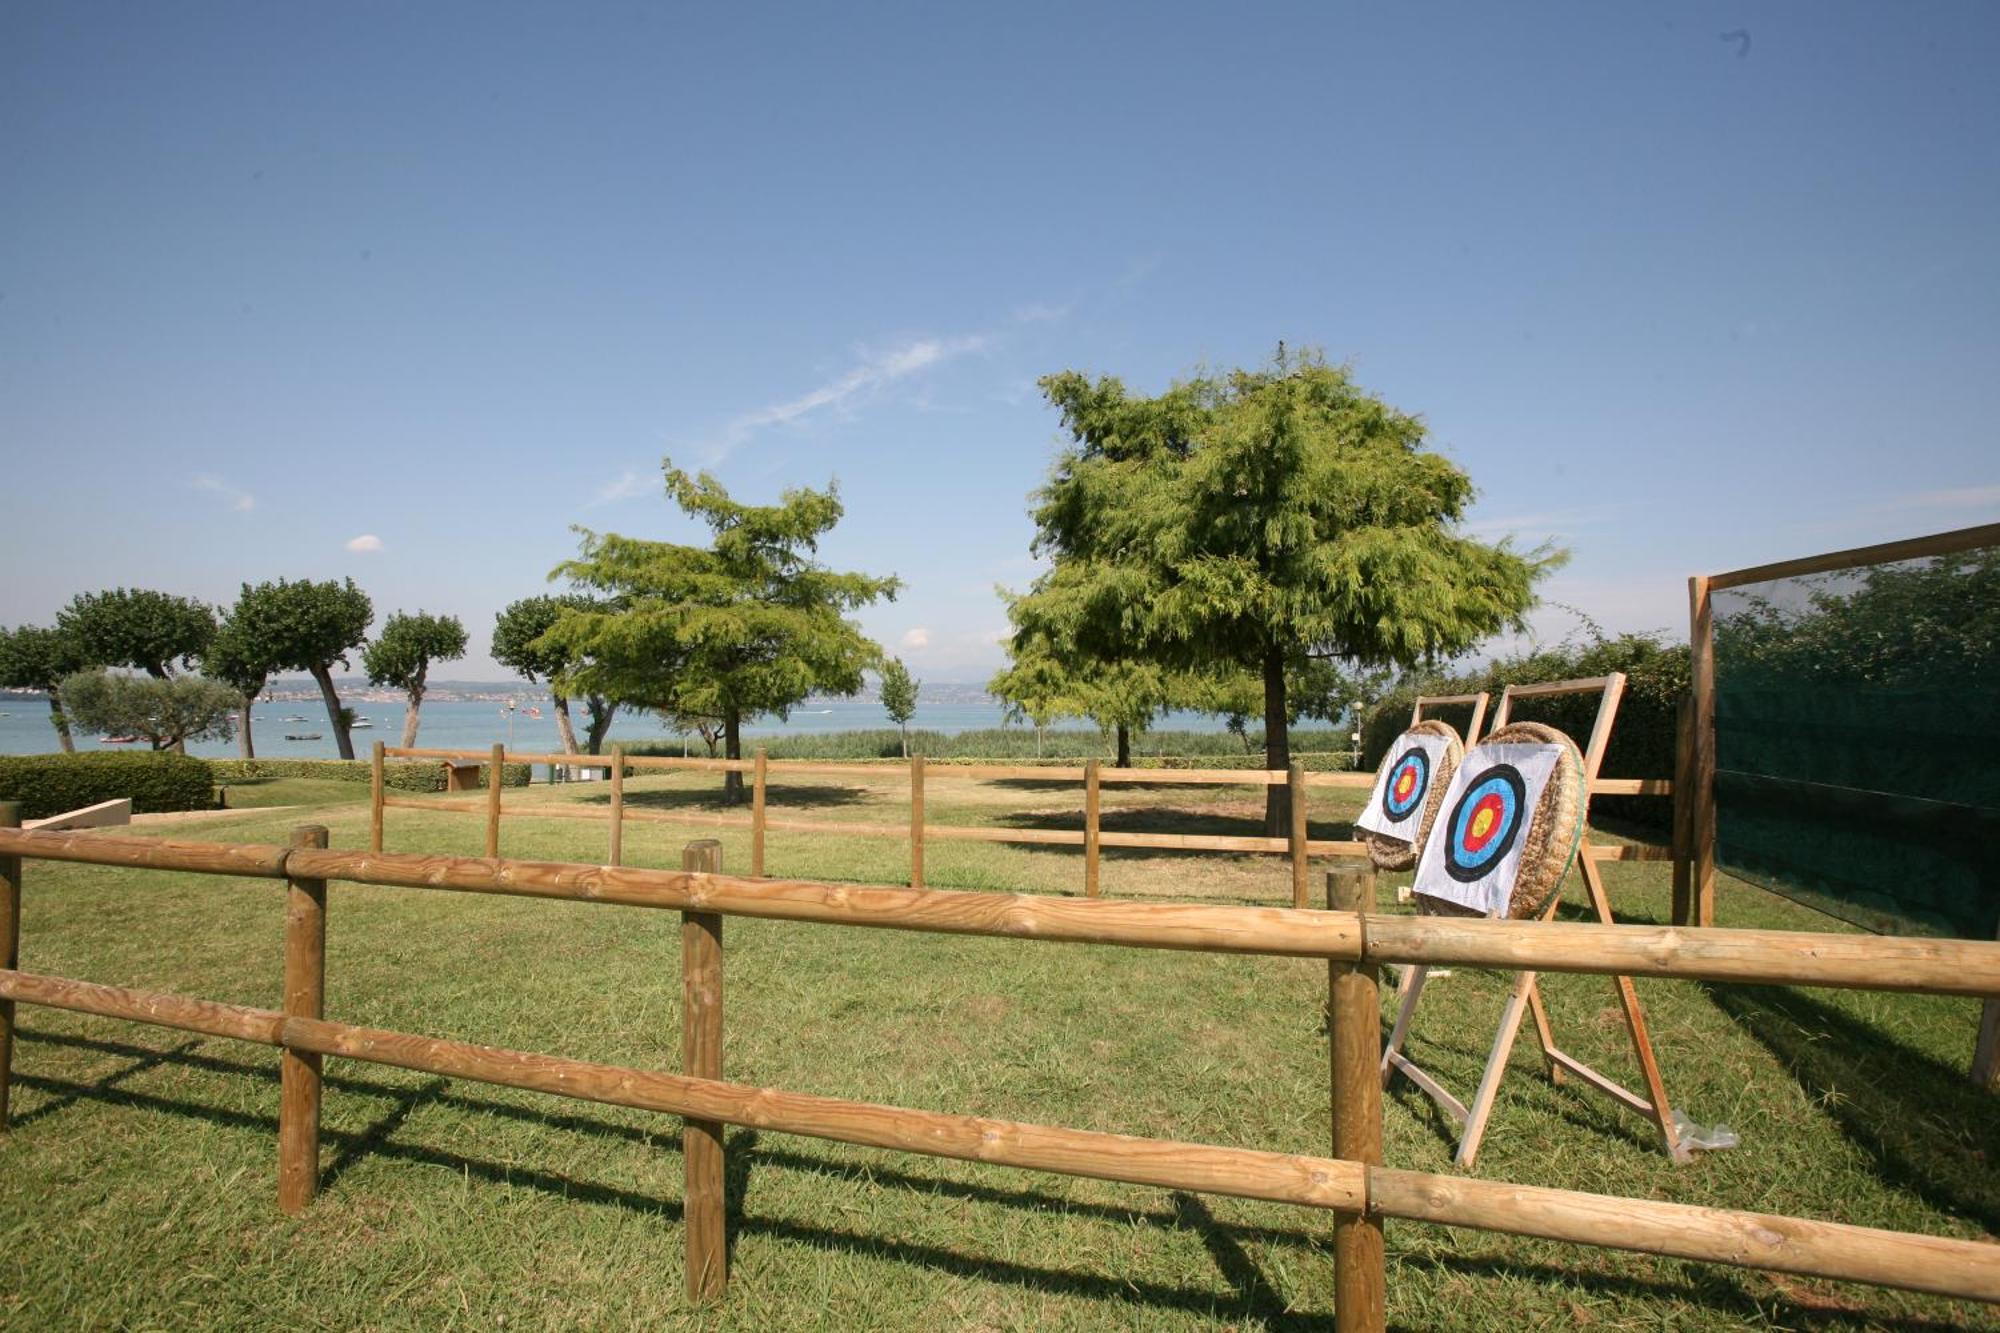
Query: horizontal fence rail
(1296, 844)
(1353, 1189)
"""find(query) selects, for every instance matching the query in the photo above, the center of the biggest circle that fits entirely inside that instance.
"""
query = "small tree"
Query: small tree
(169, 713)
(310, 627)
(748, 624)
(899, 697)
(704, 725)
(237, 658)
(517, 633)
(138, 628)
(402, 654)
(33, 658)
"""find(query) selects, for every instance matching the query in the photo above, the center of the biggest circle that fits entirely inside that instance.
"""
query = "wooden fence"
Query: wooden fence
(1296, 845)
(1352, 1184)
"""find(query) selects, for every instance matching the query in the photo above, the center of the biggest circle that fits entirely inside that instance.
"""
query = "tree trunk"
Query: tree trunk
(60, 720)
(563, 727)
(1277, 745)
(343, 740)
(732, 733)
(906, 739)
(1124, 746)
(410, 718)
(244, 742)
(600, 711)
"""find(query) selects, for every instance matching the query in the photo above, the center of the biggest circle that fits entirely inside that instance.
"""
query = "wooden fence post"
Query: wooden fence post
(701, 1057)
(1092, 817)
(1296, 782)
(1354, 1039)
(493, 774)
(916, 821)
(1701, 793)
(1683, 813)
(305, 997)
(757, 778)
(10, 950)
(376, 782)
(618, 805)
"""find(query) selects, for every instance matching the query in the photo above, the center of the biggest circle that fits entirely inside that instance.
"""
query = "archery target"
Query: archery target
(1474, 857)
(1403, 803)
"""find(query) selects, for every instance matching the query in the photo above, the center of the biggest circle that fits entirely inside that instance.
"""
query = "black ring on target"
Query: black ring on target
(1398, 803)
(1474, 845)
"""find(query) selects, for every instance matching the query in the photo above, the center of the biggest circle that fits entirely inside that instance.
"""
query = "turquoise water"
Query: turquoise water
(477, 725)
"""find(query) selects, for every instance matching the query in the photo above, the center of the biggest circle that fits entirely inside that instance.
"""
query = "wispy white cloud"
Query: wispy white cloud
(239, 500)
(873, 374)
(366, 542)
(631, 484)
(918, 637)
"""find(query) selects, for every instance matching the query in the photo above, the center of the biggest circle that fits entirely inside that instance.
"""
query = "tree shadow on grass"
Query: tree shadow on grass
(1928, 1128)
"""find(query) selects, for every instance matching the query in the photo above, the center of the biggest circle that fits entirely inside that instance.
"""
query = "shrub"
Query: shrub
(51, 784)
(397, 774)
(1319, 748)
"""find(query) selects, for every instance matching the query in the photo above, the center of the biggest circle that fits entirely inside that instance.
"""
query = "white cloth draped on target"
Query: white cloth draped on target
(1403, 804)
(1509, 826)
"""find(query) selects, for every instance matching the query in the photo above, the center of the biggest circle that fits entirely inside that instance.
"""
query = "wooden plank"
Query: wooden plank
(759, 782)
(1296, 803)
(701, 1057)
(688, 762)
(1618, 1092)
(616, 853)
(1008, 772)
(304, 997)
(1336, 847)
(10, 951)
(1435, 1090)
(1093, 844)
(1360, 781)
(258, 860)
(494, 772)
(376, 791)
(1195, 842)
(1207, 777)
(1634, 851)
(449, 807)
(916, 821)
(1581, 685)
(1632, 787)
(1481, 1109)
(1701, 641)
(1965, 1268)
(1910, 548)
(1043, 837)
(1315, 1182)
(1354, 1042)
(264, 1026)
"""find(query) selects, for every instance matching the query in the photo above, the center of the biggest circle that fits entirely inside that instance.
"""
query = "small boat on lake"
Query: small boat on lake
(307, 736)
(360, 724)
(117, 740)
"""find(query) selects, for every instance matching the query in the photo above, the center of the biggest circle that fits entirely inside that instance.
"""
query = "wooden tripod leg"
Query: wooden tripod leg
(1635, 1023)
(1544, 1034)
(1496, 1069)
(1414, 983)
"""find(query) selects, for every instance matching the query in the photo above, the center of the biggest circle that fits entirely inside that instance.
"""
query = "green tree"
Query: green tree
(138, 628)
(237, 659)
(168, 712)
(705, 725)
(517, 645)
(1258, 521)
(748, 624)
(899, 697)
(1121, 696)
(402, 654)
(310, 627)
(34, 658)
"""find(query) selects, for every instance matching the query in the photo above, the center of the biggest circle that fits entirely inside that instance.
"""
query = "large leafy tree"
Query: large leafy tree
(402, 654)
(167, 712)
(35, 658)
(1257, 521)
(748, 624)
(239, 659)
(138, 628)
(311, 627)
(518, 646)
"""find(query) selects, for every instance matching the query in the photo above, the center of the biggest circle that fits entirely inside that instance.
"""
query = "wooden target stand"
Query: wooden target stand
(1525, 998)
(1404, 972)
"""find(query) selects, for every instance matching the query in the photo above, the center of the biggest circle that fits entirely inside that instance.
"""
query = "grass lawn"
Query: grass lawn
(138, 1185)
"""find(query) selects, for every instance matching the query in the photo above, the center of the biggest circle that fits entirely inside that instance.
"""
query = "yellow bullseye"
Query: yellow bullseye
(1482, 823)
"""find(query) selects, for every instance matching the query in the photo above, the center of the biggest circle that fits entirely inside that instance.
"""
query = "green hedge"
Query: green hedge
(52, 784)
(1319, 747)
(399, 774)
(1642, 742)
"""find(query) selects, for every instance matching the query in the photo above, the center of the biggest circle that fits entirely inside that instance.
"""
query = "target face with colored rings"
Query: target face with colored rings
(1403, 796)
(1485, 823)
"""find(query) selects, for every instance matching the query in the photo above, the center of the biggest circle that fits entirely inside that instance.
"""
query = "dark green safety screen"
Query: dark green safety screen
(1857, 720)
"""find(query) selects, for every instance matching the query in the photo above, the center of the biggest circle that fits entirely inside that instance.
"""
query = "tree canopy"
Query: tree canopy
(518, 646)
(138, 628)
(749, 624)
(1254, 522)
(311, 627)
(35, 658)
(168, 711)
(402, 654)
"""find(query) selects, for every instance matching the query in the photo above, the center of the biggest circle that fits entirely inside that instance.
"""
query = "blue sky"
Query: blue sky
(454, 278)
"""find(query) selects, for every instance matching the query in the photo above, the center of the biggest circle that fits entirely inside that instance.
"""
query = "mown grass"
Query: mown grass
(138, 1185)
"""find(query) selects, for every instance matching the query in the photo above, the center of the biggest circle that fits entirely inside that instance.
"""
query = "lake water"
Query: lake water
(476, 725)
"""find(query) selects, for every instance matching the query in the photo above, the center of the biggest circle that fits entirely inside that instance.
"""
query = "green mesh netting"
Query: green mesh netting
(1857, 719)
